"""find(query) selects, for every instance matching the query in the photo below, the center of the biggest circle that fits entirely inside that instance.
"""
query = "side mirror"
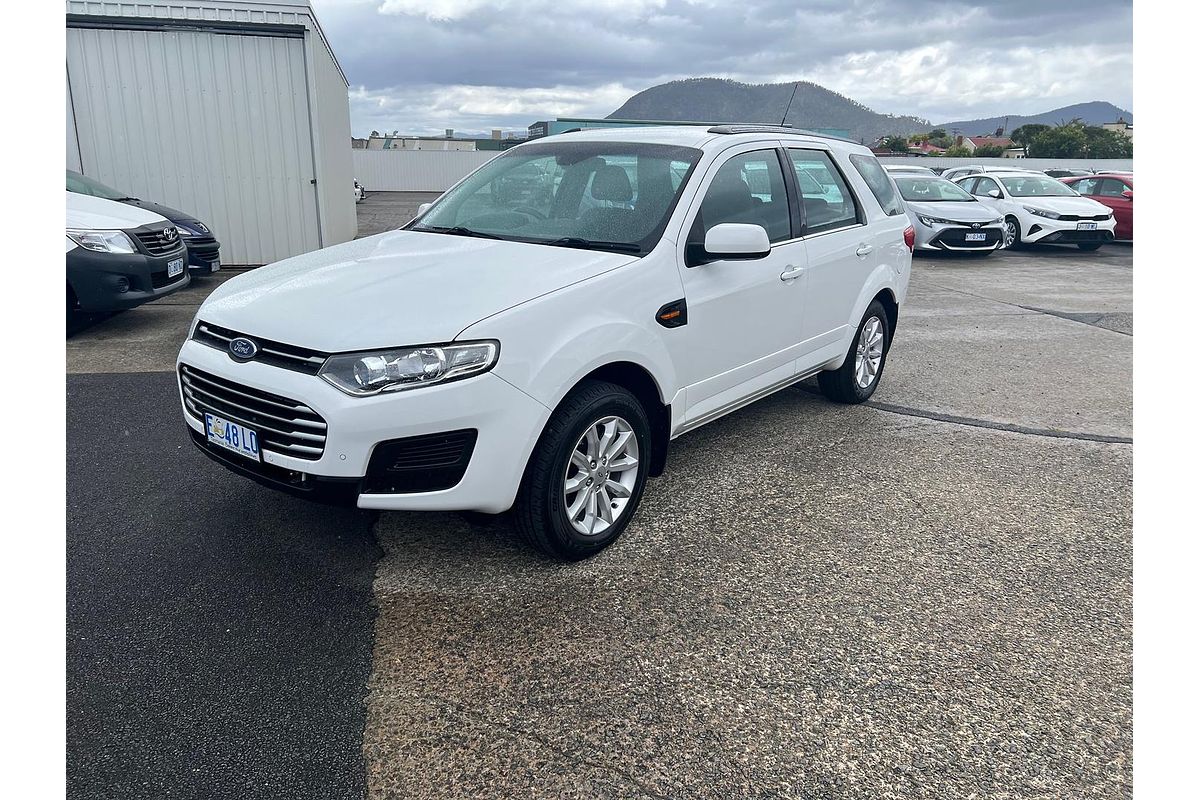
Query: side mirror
(737, 241)
(421, 209)
(1127, 194)
(994, 194)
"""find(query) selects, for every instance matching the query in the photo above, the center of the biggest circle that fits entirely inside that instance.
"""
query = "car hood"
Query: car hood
(394, 289)
(94, 213)
(1064, 205)
(964, 211)
(172, 214)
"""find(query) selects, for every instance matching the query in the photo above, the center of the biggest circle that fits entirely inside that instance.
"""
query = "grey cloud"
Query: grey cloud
(580, 46)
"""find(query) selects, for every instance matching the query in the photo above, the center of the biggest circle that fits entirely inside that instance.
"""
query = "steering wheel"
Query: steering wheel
(528, 211)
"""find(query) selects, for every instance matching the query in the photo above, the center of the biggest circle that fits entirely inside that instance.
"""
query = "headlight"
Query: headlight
(363, 374)
(931, 221)
(103, 241)
(191, 228)
(1041, 212)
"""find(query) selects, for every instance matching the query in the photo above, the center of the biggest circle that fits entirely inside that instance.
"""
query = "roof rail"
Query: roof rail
(732, 129)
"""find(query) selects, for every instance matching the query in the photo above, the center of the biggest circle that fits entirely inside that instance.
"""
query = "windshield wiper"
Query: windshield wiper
(458, 230)
(593, 244)
(125, 199)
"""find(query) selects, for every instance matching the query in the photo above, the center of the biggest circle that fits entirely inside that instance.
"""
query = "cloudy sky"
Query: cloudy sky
(420, 66)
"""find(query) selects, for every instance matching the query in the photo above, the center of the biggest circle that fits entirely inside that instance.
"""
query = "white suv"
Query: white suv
(536, 338)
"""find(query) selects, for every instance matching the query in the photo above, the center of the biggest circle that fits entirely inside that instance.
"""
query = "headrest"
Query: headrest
(612, 183)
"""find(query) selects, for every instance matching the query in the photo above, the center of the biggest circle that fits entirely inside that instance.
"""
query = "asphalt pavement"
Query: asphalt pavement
(925, 596)
(218, 634)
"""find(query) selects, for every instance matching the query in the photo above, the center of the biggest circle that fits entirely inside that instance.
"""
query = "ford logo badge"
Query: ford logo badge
(243, 349)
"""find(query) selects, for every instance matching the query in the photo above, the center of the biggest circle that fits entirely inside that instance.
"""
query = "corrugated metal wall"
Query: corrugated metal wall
(416, 170)
(215, 125)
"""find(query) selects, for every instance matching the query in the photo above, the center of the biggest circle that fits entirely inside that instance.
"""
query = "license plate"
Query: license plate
(174, 267)
(976, 237)
(1085, 226)
(216, 265)
(233, 437)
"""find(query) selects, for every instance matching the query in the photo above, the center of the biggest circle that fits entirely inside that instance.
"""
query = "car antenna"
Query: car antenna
(795, 86)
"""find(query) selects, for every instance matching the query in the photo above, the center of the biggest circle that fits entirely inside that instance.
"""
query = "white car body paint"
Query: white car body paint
(559, 313)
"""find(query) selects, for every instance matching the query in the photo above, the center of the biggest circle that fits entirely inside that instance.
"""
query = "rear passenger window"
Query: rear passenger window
(748, 188)
(828, 203)
(879, 183)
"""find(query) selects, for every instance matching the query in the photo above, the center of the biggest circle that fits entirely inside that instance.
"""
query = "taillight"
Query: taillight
(910, 238)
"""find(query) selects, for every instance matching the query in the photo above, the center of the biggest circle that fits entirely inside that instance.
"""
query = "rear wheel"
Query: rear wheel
(587, 474)
(1089, 246)
(856, 379)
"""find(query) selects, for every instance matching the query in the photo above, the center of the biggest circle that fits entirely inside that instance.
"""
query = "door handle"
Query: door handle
(863, 250)
(791, 273)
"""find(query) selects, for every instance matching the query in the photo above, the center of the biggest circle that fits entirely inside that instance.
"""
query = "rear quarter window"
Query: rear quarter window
(879, 183)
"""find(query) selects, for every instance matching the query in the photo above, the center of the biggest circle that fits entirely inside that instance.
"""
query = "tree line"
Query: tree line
(1073, 139)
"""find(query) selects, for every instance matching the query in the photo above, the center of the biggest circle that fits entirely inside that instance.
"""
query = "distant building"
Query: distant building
(564, 124)
(926, 149)
(396, 141)
(1120, 126)
(973, 142)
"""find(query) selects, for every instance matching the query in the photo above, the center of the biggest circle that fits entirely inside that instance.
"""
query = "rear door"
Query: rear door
(839, 248)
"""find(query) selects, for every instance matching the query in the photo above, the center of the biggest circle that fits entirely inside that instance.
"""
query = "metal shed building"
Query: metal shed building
(236, 112)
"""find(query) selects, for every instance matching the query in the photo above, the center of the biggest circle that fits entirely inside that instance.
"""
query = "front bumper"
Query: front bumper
(1043, 230)
(508, 423)
(204, 254)
(953, 238)
(121, 281)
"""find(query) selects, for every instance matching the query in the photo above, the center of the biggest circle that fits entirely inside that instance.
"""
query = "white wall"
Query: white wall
(1123, 164)
(415, 170)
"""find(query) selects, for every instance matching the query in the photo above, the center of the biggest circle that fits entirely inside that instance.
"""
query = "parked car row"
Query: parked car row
(122, 251)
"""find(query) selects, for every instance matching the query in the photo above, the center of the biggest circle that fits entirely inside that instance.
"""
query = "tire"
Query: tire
(842, 384)
(1088, 247)
(542, 510)
(1015, 232)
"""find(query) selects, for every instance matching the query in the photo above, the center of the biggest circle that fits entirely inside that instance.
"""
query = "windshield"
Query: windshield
(931, 190)
(1036, 186)
(81, 185)
(594, 195)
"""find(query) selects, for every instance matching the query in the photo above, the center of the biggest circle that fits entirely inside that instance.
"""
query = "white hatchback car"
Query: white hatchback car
(538, 349)
(1041, 209)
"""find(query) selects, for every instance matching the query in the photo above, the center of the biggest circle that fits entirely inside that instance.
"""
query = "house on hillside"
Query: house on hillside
(926, 149)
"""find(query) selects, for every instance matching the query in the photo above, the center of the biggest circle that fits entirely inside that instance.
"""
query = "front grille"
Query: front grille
(284, 426)
(277, 354)
(203, 248)
(1084, 218)
(155, 242)
(160, 279)
(426, 463)
(1079, 236)
(956, 238)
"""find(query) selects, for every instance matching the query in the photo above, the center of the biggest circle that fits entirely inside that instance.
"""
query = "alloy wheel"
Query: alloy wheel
(1010, 233)
(601, 475)
(869, 353)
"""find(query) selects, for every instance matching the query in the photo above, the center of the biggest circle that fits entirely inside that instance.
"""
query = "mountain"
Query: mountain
(1092, 113)
(720, 100)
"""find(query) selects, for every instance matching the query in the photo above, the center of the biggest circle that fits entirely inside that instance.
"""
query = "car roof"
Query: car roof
(701, 136)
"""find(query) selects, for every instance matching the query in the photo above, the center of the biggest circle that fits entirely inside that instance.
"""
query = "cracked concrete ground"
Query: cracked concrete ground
(927, 596)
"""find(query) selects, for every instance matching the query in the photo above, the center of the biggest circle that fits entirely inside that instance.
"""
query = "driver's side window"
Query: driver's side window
(749, 189)
(984, 186)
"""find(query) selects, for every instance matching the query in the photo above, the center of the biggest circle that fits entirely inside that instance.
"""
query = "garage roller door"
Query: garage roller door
(214, 124)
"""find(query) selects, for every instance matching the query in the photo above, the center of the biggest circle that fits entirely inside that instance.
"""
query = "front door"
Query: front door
(744, 317)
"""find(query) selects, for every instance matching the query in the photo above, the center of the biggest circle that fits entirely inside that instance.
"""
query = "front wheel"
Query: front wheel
(856, 379)
(1012, 233)
(587, 474)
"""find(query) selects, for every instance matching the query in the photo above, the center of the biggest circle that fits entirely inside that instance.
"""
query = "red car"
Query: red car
(1114, 191)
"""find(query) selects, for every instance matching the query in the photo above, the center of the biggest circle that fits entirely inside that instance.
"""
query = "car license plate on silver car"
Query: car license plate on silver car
(976, 237)
(1085, 226)
(174, 267)
(231, 436)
